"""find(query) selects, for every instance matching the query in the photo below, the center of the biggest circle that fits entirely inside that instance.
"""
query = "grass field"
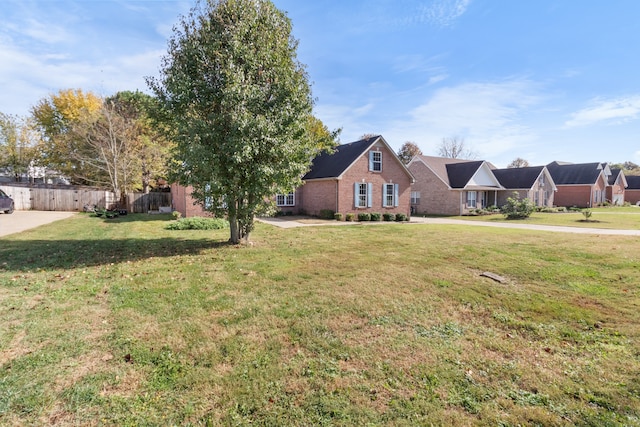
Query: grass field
(122, 322)
(626, 218)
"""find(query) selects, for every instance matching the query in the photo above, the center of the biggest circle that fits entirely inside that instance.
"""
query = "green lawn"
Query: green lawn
(122, 322)
(625, 218)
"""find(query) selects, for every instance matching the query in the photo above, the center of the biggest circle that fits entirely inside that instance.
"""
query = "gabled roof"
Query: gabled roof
(633, 182)
(333, 165)
(617, 174)
(522, 178)
(438, 165)
(461, 173)
(575, 173)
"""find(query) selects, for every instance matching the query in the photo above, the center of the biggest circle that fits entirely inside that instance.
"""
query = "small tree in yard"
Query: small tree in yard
(517, 208)
(239, 105)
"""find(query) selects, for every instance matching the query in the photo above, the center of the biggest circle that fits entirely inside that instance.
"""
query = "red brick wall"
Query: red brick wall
(615, 192)
(392, 173)
(632, 196)
(573, 195)
(182, 202)
(317, 195)
(435, 196)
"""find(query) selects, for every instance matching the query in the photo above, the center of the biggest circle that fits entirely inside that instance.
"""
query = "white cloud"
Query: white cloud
(487, 115)
(614, 111)
(444, 12)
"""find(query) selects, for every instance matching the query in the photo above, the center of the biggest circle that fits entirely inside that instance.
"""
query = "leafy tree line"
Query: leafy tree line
(107, 142)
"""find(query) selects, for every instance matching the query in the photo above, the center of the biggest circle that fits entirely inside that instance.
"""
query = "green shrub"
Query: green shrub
(351, 217)
(176, 214)
(337, 216)
(327, 214)
(587, 214)
(198, 223)
(517, 208)
(376, 216)
(364, 216)
(561, 209)
(388, 216)
(400, 217)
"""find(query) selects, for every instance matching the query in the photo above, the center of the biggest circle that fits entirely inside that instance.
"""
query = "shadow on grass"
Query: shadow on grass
(57, 254)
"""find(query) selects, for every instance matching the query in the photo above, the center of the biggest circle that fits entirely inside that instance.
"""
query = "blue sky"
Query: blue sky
(539, 79)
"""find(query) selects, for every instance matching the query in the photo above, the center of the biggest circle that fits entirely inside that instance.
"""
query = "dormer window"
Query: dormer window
(375, 161)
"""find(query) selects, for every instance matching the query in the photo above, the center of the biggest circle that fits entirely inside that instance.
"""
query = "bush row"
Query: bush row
(374, 216)
(198, 223)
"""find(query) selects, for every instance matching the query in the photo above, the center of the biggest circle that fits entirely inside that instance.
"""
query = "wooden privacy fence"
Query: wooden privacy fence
(75, 198)
(143, 203)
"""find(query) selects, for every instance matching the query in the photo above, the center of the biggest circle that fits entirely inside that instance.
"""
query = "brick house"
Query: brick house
(616, 188)
(183, 202)
(534, 183)
(580, 184)
(632, 192)
(362, 176)
(452, 186)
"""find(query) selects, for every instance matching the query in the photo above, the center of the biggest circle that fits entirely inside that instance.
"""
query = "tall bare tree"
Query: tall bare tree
(454, 147)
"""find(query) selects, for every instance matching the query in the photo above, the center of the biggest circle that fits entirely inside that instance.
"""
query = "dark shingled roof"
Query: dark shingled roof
(518, 177)
(332, 165)
(461, 173)
(633, 182)
(614, 175)
(579, 173)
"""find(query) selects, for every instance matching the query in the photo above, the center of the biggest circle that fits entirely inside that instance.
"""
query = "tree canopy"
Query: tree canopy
(239, 106)
(18, 144)
(518, 162)
(111, 143)
(408, 151)
(56, 117)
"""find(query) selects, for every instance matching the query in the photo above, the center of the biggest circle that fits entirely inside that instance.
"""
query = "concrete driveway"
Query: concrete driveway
(23, 220)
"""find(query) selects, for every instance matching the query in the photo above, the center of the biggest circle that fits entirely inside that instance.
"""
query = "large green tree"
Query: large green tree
(239, 103)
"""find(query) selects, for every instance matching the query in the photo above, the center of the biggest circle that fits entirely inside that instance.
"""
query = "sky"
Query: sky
(542, 80)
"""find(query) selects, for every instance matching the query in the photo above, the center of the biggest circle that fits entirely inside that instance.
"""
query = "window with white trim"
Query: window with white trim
(389, 195)
(375, 161)
(286, 199)
(471, 199)
(362, 195)
(415, 197)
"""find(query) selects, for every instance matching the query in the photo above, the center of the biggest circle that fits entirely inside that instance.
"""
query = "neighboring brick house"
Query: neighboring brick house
(534, 183)
(452, 186)
(362, 176)
(632, 192)
(580, 184)
(182, 202)
(616, 188)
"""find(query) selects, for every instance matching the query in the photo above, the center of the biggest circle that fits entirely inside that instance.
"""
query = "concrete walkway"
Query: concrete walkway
(291, 222)
(23, 220)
